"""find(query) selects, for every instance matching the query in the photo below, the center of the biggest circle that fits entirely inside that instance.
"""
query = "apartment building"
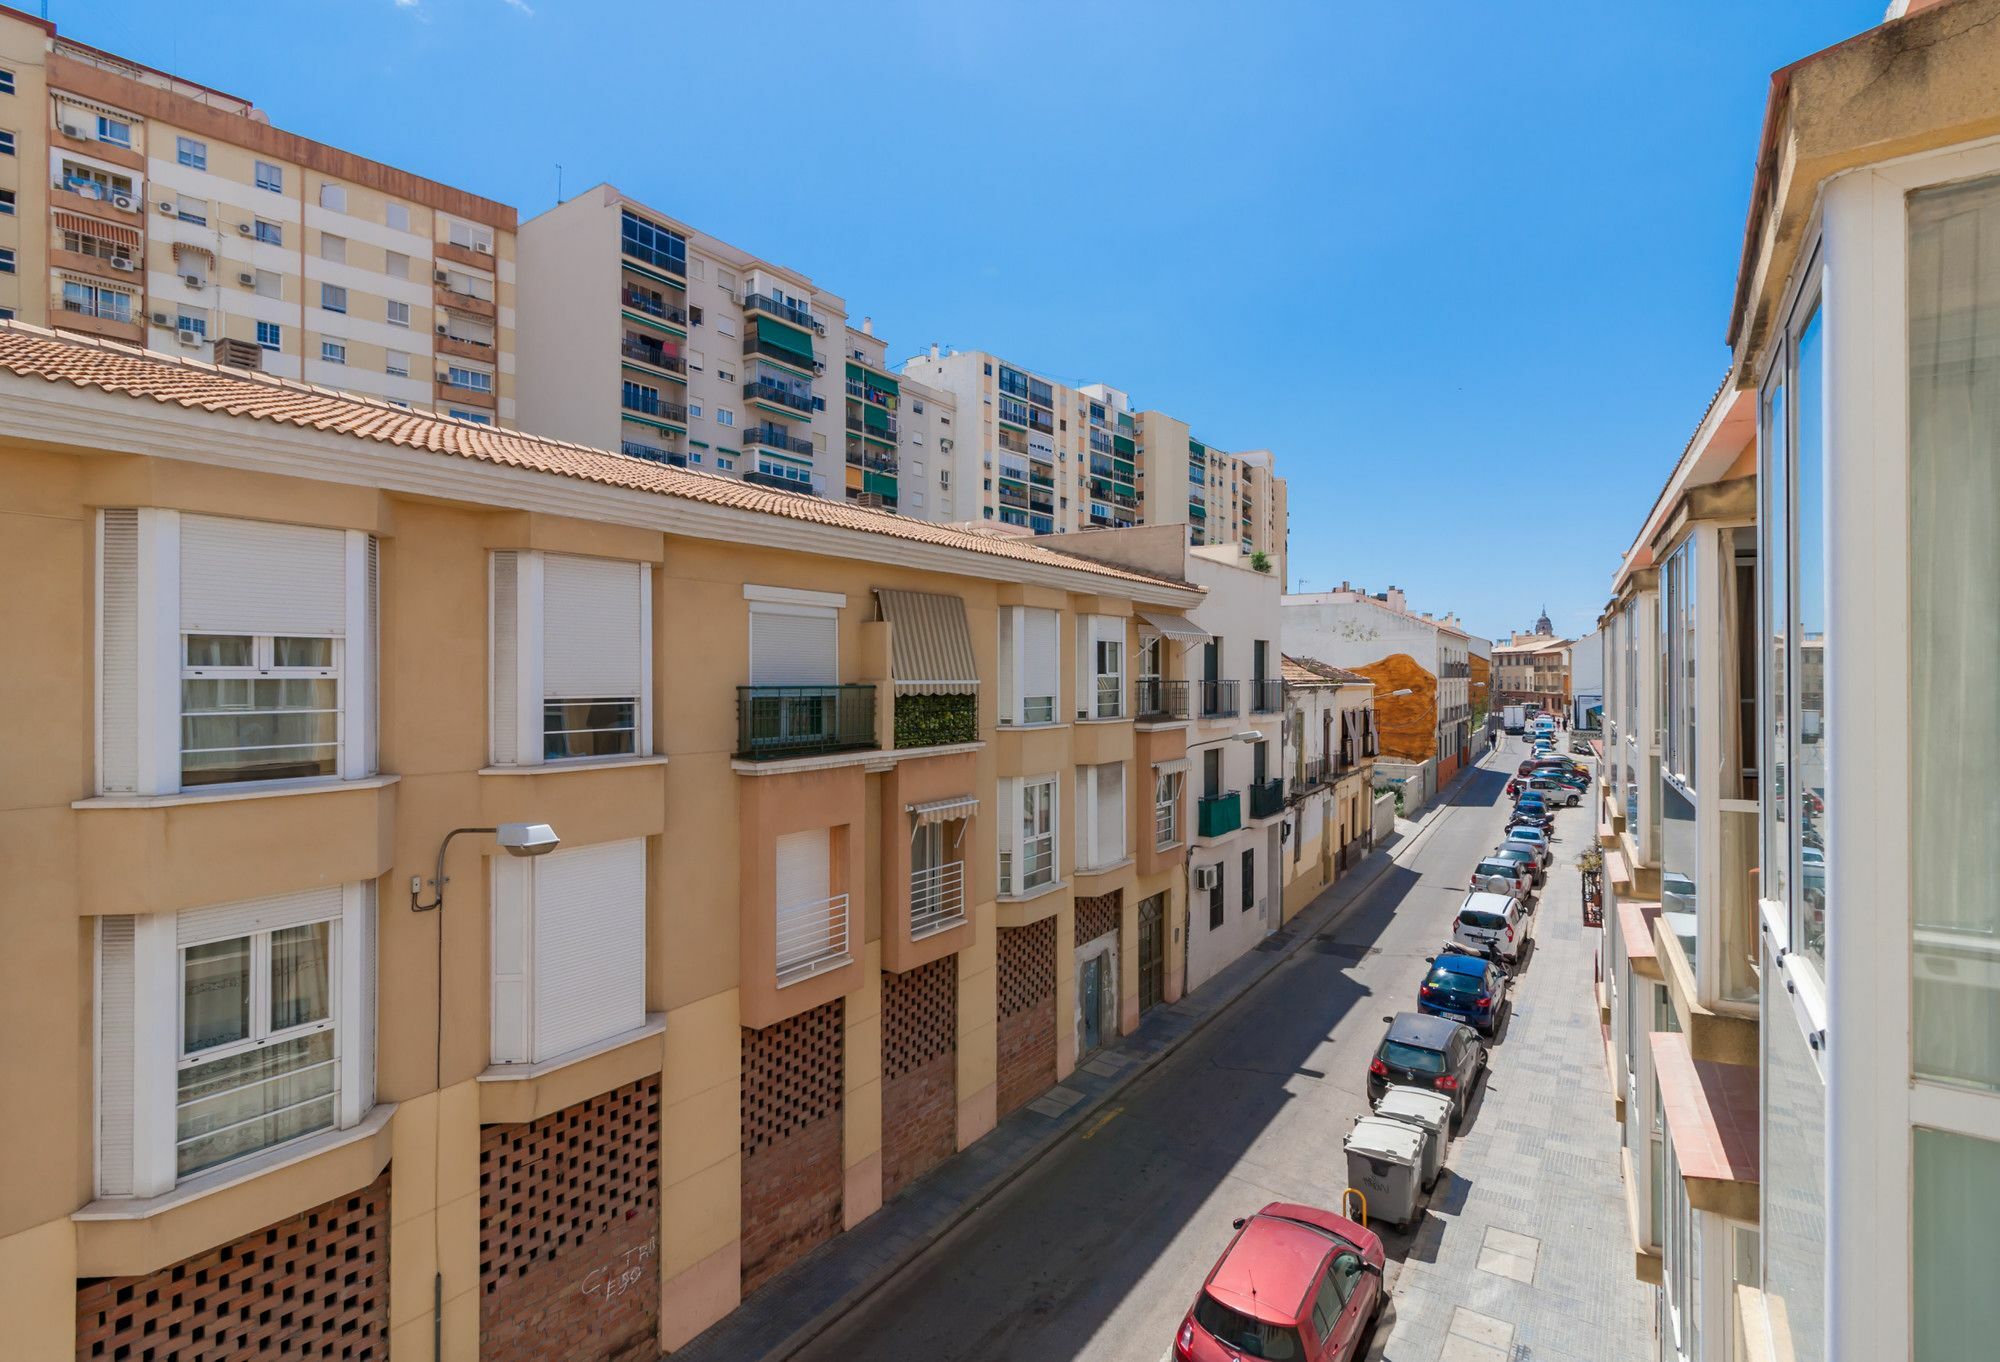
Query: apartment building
(1330, 769)
(148, 209)
(1055, 459)
(1586, 681)
(754, 865)
(901, 435)
(1420, 664)
(1802, 1015)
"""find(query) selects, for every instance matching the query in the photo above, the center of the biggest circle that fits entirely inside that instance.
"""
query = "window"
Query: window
(192, 320)
(725, 464)
(258, 707)
(333, 197)
(116, 131)
(1249, 880)
(569, 644)
(260, 1014)
(569, 950)
(1167, 808)
(1029, 658)
(6, 260)
(191, 153)
(724, 416)
(333, 248)
(191, 210)
(473, 380)
(396, 265)
(333, 297)
(477, 418)
(473, 236)
(470, 285)
(1027, 834)
(396, 314)
(270, 233)
(333, 352)
(1100, 815)
(396, 364)
(1101, 651)
(6, 203)
(270, 284)
(270, 177)
(270, 335)
(654, 244)
(1957, 1179)
(6, 82)
(397, 215)
(96, 301)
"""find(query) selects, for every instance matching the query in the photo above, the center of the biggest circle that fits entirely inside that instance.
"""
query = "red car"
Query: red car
(1295, 1283)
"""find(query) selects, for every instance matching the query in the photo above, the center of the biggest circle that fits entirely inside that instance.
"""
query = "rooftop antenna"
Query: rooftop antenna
(559, 198)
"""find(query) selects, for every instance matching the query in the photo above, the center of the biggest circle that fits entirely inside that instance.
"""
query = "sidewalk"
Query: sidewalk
(793, 1306)
(1523, 1252)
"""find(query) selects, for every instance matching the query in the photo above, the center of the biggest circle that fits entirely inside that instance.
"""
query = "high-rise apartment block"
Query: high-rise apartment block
(148, 209)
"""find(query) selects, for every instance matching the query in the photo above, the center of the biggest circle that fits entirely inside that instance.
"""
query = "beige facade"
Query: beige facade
(789, 873)
(900, 436)
(155, 211)
(1329, 773)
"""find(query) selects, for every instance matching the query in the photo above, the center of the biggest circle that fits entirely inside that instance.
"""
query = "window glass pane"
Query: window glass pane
(300, 978)
(1677, 866)
(302, 652)
(1809, 735)
(221, 650)
(1776, 516)
(1955, 1241)
(1954, 333)
(1793, 1155)
(215, 994)
(258, 729)
(241, 1103)
(589, 728)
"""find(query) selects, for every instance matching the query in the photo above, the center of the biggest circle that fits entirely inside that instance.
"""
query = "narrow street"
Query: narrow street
(1097, 1251)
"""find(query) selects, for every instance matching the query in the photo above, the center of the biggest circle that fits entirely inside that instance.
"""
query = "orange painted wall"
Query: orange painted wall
(1407, 724)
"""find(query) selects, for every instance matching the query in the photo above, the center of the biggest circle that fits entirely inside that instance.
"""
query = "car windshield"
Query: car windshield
(1507, 868)
(1479, 917)
(1451, 981)
(1252, 1338)
(1414, 1058)
(1515, 855)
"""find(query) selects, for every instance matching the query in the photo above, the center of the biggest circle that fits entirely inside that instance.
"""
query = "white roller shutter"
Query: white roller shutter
(226, 920)
(1042, 653)
(804, 929)
(118, 652)
(363, 1032)
(591, 627)
(373, 712)
(506, 636)
(590, 945)
(1010, 695)
(793, 646)
(115, 989)
(252, 577)
(1110, 813)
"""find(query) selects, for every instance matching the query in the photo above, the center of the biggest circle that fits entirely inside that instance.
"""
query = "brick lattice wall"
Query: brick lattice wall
(919, 1071)
(791, 1139)
(316, 1285)
(569, 1223)
(1096, 916)
(1027, 1039)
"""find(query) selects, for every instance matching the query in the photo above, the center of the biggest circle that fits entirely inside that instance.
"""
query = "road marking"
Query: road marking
(1102, 1121)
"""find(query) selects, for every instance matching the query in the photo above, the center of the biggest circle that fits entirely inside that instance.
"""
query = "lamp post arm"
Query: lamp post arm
(437, 892)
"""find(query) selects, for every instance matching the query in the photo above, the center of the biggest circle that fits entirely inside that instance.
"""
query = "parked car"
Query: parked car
(1464, 988)
(1296, 1282)
(1532, 839)
(1531, 817)
(1554, 792)
(1526, 769)
(1579, 743)
(1428, 1052)
(1532, 808)
(1560, 767)
(1525, 854)
(1507, 876)
(1493, 925)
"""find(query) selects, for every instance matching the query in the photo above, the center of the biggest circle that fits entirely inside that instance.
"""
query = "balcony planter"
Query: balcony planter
(1221, 815)
(936, 720)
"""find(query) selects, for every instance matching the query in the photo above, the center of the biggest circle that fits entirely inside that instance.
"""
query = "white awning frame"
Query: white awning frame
(943, 810)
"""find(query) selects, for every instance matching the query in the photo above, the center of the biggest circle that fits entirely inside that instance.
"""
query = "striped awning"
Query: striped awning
(85, 225)
(185, 248)
(1177, 627)
(944, 810)
(930, 648)
(1175, 766)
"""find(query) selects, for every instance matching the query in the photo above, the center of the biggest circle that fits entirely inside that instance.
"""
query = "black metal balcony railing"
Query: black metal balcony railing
(653, 453)
(1312, 771)
(653, 306)
(648, 405)
(653, 355)
(881, 432)
(759, 345)
(1158, 699)
(1266, 697)
(786, 397)
(791, 312)
(869, 458)
(1267, 797)
(774, 437)
(795, 721)
(1218, 700)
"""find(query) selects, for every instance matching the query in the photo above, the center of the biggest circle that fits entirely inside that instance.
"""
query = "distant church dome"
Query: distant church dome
(1542, 625)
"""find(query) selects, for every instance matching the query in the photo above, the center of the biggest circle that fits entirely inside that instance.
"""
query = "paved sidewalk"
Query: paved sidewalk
(1523, 1256)
(793, 1306)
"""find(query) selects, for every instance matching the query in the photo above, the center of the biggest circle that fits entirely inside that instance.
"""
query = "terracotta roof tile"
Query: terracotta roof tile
(1310, 669)
(87, 362)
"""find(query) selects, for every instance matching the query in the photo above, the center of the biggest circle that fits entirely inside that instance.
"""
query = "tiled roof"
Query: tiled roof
(60, 357)
(1306, 670)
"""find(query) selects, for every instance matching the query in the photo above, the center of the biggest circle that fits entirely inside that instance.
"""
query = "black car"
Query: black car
(1546, 822)
(1467, 988)
(1428, 1052)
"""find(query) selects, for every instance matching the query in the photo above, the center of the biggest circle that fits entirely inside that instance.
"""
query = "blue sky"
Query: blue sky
(1465, 267)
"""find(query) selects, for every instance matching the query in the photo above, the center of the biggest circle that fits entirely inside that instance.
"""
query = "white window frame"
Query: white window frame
(1168, 787)
(521, 929)
(270, 176)
(1017, 708)
(333, 197)
(396, 216)
(472, 380)
(333, 352)
(329, 294)
(275, 332)
(1096, 846)
(471, 236)
(1092, 633)
(191, 152)
(396, 313)
(333, 248)
(1015, 794)
(263, 667)
(524, 742)
(396, 363)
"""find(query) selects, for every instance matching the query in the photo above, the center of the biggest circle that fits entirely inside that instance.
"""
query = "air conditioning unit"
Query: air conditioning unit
(444, 376)
(243, 229)
(121, 262)
(166, 205)
(440, 277)
(1206, 878)
(483, 247)
(163, 319)
(443, 328)
(124, 201)
(194, 281)
(190, 337)
(247, 280)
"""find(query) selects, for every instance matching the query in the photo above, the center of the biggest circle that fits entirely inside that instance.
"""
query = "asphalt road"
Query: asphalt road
(1098, 1250)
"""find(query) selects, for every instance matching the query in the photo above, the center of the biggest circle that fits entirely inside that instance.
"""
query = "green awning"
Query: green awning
(882, 484)
(1121, 445)
(875, 417)
(784, 338)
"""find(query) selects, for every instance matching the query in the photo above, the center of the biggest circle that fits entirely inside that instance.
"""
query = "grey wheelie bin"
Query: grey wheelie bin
(1429, 1112)
(1385, 1164)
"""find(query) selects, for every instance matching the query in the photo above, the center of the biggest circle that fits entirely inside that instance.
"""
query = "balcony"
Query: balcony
(1266, 697)
(812, 938)
(776, 437)
(1162, 700)
(1267, 797)
(937, 899)
(1218, 700)
(1220, 815)
(800, 481)
(652, 453)
(860, 456)
(645, 404)
(884, 430)
(653, 306)
(770, 349)
(1313, 772)
(783, 311)
(784, 397)
(652, 354)
(803, 721)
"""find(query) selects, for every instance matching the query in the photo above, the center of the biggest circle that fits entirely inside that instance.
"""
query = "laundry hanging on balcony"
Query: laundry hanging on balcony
(930, 645)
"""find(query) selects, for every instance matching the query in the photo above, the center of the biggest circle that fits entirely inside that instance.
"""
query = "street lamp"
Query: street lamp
(516, 839)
